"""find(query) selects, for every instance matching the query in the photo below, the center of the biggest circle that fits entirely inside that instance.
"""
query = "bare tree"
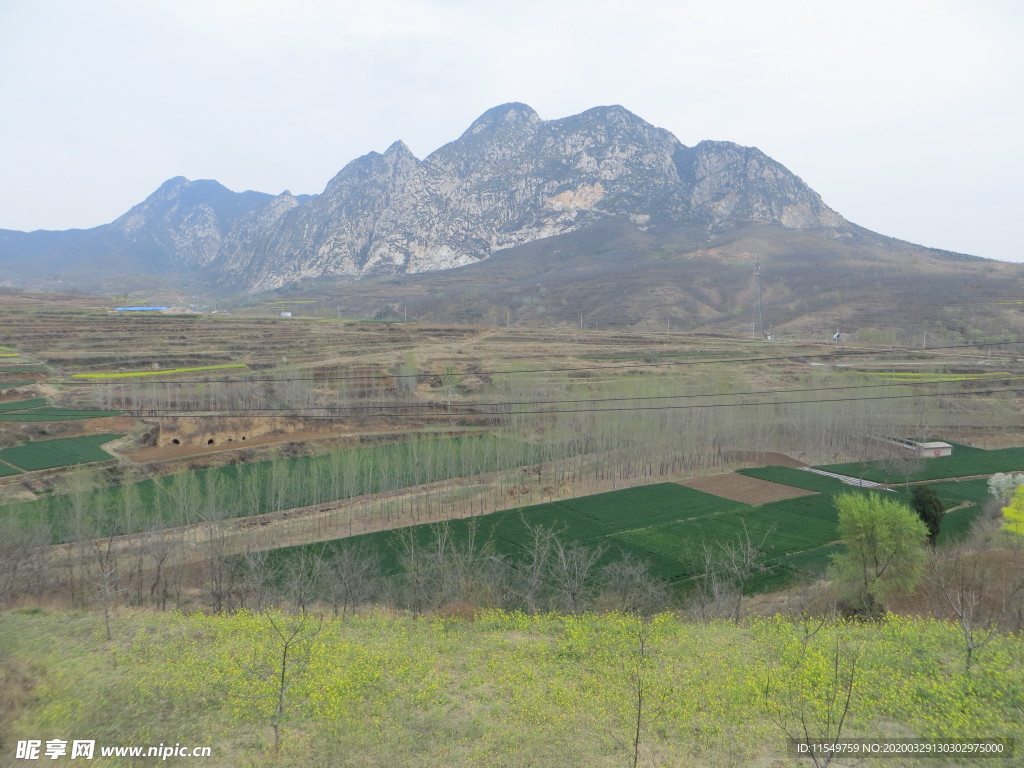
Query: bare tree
(572, 575)
(645, 696)
(415, 570)
(219, 583)
(301, 577)
(979, 596)
(107, 588)
(726, 571)
(274, 667)
(530, 575)
(21, 560)
(628, 586)
(257, 574)
(156, 548)
(353, 578)
(447, 569)
(806, 709)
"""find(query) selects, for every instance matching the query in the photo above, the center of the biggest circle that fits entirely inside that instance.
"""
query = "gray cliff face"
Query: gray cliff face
(511, 178)
(742, 183)
(185, 221)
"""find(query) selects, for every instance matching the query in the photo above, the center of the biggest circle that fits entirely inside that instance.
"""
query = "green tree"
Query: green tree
(926, 502)
(884, 551)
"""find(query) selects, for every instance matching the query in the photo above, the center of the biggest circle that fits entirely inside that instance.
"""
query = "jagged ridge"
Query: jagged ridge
(511, 178)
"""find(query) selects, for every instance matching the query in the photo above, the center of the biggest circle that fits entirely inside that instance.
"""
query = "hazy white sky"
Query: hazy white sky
(907, 116)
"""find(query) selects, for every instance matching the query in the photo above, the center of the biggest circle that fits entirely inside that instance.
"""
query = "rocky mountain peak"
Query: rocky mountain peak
(399, 149)
(509, 179)
(505, 115)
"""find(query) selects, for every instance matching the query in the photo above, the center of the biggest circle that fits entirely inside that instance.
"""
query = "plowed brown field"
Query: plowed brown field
(748, 490)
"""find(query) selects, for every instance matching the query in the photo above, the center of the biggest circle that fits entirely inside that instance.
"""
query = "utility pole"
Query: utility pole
(758, 320)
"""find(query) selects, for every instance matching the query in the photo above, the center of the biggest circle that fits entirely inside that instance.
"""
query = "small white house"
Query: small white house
(286, 314)
(934, 450)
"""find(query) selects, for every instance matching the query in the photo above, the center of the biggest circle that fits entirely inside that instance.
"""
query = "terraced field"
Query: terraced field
(60, 452)
(37, 409)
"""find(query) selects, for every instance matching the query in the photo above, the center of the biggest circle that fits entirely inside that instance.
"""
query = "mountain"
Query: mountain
(509, 180)
(175, 231)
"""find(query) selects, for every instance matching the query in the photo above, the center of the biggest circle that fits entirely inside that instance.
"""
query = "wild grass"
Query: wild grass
(500, 690)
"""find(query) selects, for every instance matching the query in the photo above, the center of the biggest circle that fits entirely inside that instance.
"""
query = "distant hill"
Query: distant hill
(611, 275)
(599, 214)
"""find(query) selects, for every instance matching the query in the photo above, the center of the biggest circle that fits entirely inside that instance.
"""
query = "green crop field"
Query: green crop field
(37, 409)
(6, 470)
(666, 525)
(598, 519)
(251, 489)
(796, 478)
(53, 414)
(965, 462)
(783, 529)
(931, 377)
(61, 452)
(21, 405)
(669, 526)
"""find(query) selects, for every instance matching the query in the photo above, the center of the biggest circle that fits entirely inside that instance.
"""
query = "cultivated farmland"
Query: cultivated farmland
(36, 409)
(670, 527)
(484, 506)
(964, 462)
(502, 418)
(256, 488)
(60, 452)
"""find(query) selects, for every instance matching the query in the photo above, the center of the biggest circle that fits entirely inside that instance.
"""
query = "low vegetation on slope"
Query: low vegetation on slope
(501, 690)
